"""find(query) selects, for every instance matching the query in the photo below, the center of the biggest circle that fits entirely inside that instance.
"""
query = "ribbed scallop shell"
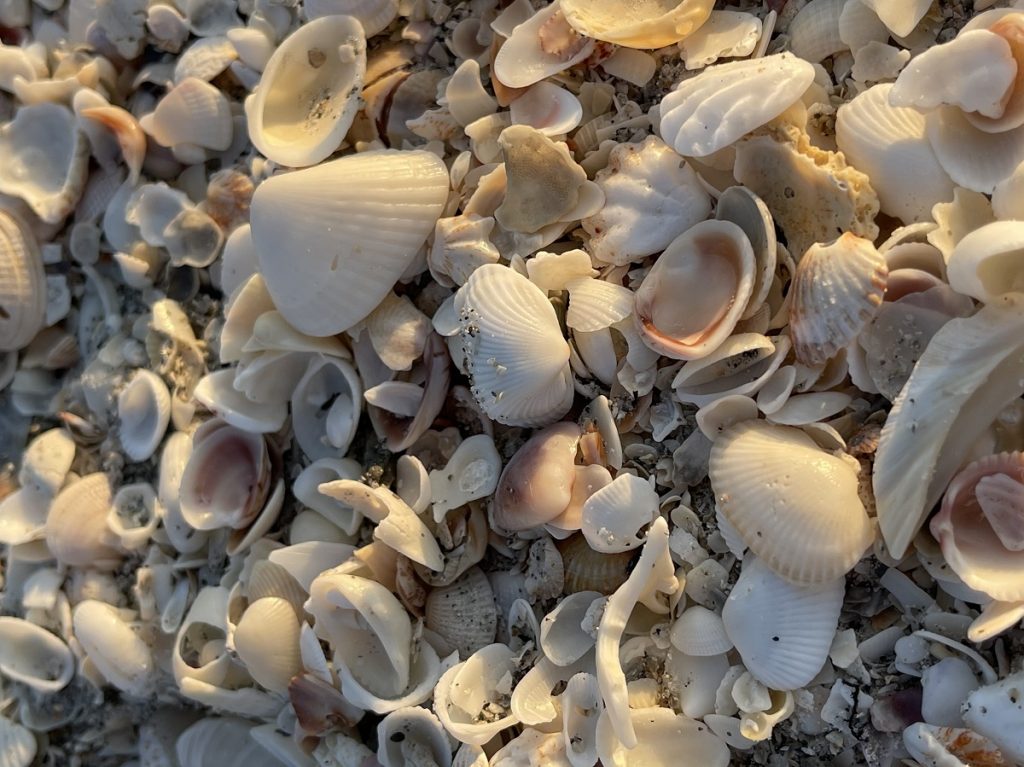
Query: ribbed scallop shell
(589, 570)
(782, 631)
(76, 526)
(712, 110)
(464, 613)
(516, 357)
(269, 579)
(17, 744)
(637, 25)
(836, 290)
(412, 730)
(795, 505)
(700, 632)
(596, 304)
(267, 642)
(308, 94)
(814, 31)
(22, 284)
(989, 261)
(193, 112)
(333, 239)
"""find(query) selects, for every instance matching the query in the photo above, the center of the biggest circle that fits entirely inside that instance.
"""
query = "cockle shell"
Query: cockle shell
(589, 570)
(463, 613)
(615, 515)
(782, 631)
(144, 408)
(536, 484)
(76, 526)
(700, 632)
(541, 46)
(987, 262)
(308, 94)
(637, 25)
(692, 297)
(33, 656)
(552, 110)
(836, 290)
(193, 114)
(664, 738)
(332, 287)
(267, 641)
(118, 652)
(735, 98)
(651, 197)
(789, 499)
(469, 689)
(22, 284)
(17, 744)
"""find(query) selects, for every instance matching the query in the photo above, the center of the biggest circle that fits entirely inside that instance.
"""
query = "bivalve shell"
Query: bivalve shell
(193, 114)
(989, 261)
(267, 641)
(17, 744)
(22, 284)
(536, 484)
(144, 407)
(33, 656)
(741, 365)
(463, 613)
(665, 738)
(637, 25)
(373, 15)
(700, 632)
(76, 526)
(614, 517)
(814, 31)
(326, 404)
(118, 652)
(541, 46)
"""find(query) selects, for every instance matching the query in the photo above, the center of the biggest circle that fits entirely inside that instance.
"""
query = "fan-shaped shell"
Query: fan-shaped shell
(652, 24)
(814, 31)
(596, 304)
(22, 284)
(76, 526)
(33, 656)
(357, 224)
(193, 113)
(782, 631)
(17, 744)
(144, 407)
(836, 290)
(463, 613)
(733, 99)
(308, 94)
(46, 462)
(795, 505)
(589, 570)
(692, 297)
(700, 632)
(989, 261)
(267, 641)
(615, 516)
(515, 355)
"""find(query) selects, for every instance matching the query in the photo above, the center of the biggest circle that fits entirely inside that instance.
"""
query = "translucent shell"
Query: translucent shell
(649, 24)
(22, 284)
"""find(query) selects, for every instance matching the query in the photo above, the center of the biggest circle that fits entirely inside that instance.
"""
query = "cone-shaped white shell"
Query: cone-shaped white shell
(970, 370)
(118, 652)
(33, 656)
(541, 46)
(989, 261)
(836, 290)
(22, 284)
(515, 355)
(76, 527)
(637, 25)
(332, 240)
(615, 516)
(267, 642)
(782, 631)
(712, 110)
(144, 407)
(308, 95)
(795, 505)
(665, 739)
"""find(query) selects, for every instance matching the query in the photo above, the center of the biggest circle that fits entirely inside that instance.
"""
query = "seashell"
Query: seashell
(205, 59)
(326, 470)
(562, 636)
(860, 26)
(651, 197)
(789, 500)
(974, 159)
(144, 409)
(126, 129)
(411, 731)
(954, 220)
(267, 641)
(814, 32)
(1008, 196)
(725, 34)
(33, 656)
(581, 709)
(664, 737)
(76, 526)
(50, 162)
(309, 92)
(742, 364)
(614, 516)
(700, 632)
(120, 654)
(836, 290)
(216, 391)
(596, 304)
(46, 462)
(22, 284)
(193, 113)
(470, 474)
(736, 98)
(221, 740)
(807, 409)
(541, 46)
(877, 61)
(520, 372)
(468, 689)
(745, 209)
(900, 18)
(931, 745)
(464, 612)
(652, 25)
(675, 321)
(984, 264)
(461, 245)
(326, 404)
(945, 685)
(552, 110)
(398, 332)
(782, 631)
(544, 182)
(134, 514)
(465, 96)
(918, 437)
(399, 398)
(305, 561)
(536, 484)
(991, 712)
(373, 15)
(17, 744)
(401, 193)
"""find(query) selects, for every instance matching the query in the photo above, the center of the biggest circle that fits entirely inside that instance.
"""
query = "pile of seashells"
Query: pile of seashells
(402, 383)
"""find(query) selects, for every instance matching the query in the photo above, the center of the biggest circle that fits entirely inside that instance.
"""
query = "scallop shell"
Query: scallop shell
(736, 98)
(193, 114)
(49, 160)
(700, 632)
(541, 46)
(144, 409)
(890, 145)
(589, 570)
(615, 515)
(692, 297)
(373, 15)
(742, 364)
(513, 348)
(536, 484)
(398, 332)
(795, 505)
(341, 202)
(308, 94)
(836, 290)
(782, 631)
(463, 613)
(267, 641)
(644, 25)
(814, 31)
(76, 526)
(22, 284)
(986, 263)
(117, 651)
(326, 404)
(665, 738)
(33, 656)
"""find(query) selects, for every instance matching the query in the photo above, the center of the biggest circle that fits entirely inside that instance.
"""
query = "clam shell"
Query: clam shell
(465, 689)
(536, 484)
(308, 95)
(22, 284)
(643, 25)
(224, 741)
(615, 515)
(117, 651)
(33, 656)
(836, 290)
(859, 26)
(814, 31)
(326, 470)
(193, 113)
(343, 202)
(46, 462)
(76, 526)
(665, 738)
(326, 404)
(134, 514)
(23, 515)
(782, 631)
(217, 392)
(531, 54)
(267, 642)
(795, 505)
(986, 263)
(715, 417)
(144, 408)
(742, 364)
(552, 110)
(562, 636)
(700, 632)
(463, 613)
(748, 211)
(735, 98)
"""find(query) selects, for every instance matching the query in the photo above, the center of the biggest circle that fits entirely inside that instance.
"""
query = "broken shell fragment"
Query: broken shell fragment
(33, 656)
(987, 262)
(637, 25)
(541, 46)
(615, 515)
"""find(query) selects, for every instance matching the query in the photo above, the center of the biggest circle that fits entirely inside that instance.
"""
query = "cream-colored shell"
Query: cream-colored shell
(22, 284)
(463, 613)
(664, 738)
(412, 733)
(700, 632)
(470, 474)
(326, 404)
(144, 409)
(742, 364)
(541, 46)
(193, 114)
(649, 24)
(724, 35)
(17, 744)
(76, 526)
(465, 689)
(989, 261)
(120, 654)
(267, 642)
(33, 656)
(814, 31)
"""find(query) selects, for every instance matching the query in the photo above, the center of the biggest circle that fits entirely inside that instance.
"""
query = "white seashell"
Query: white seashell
(117, 651)
(49, 161)
(217, 392)
(954, 220)
(814, 31)
(725, 34)
(992, 712)
(305, 561)
(513, 349)
(736, 98)
(205, 59)
(717, 416)
(836, 291)
(134, 514)
(411, 731)
(46, 462)
(465, 96)
(581, 709)
(695, 680)
(470, 474)
(76, 526)
(399, 398)
(651, 197)
(193, 113)
(463, 613)
(255, 46)
(945, 685)
(933, 424)
(665, 738)
(267, 641)
(33, 656)
(745, 209)
(985, 264)
(952, 746)
(22, 284)
(398, 332)
(562, 636)
(152, 207)
(742, 364)
(309, 92)
(541, 46)
(326, 470)
(808, 409)
(466, 689)
(691, 299)
(553, 271)
(700, 632)
(974, 159)
(860, 26)
(238, 260)
(461, 244)
(326, 404)
(373, 15)
(900, 18)
(398, 193)
(144, 409)
(795, 505)
(1008, 197)
(552, 110)
(615, 515)
(596, 304)
(645, 25)
(17, 744)
(224, 741)
(782, 631)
